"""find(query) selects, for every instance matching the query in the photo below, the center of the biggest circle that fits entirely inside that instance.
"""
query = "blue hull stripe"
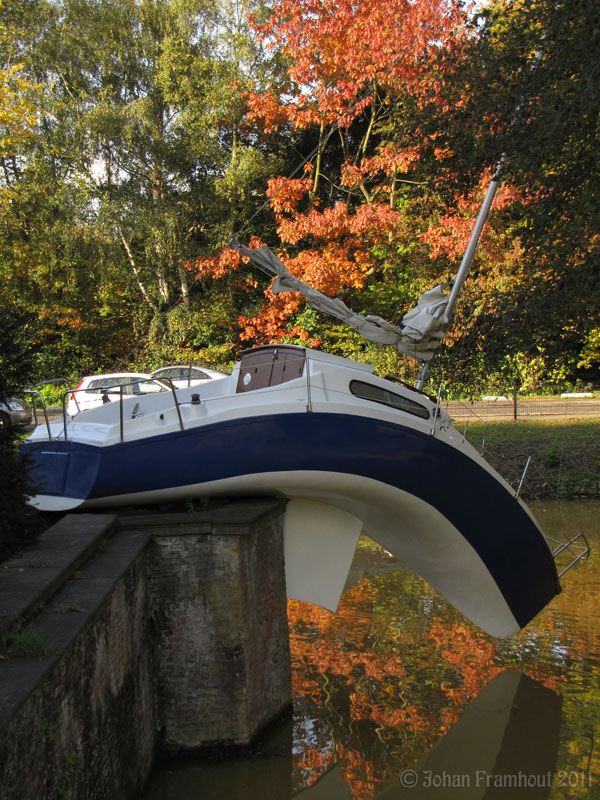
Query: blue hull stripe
(486, 514)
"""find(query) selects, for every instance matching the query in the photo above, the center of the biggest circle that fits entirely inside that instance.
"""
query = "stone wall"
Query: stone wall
(80, 721)
(172, 636)
(219, 610)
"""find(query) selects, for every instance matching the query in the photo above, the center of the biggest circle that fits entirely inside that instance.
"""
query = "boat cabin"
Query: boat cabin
(270, 365)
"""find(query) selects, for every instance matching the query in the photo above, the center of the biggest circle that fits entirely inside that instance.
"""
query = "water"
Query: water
(397, 695)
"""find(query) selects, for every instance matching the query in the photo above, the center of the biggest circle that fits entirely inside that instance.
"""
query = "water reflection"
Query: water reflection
(397, 683)
(507, 738)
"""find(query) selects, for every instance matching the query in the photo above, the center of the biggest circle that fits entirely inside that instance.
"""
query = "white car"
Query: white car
(94, 390)
(182, 375)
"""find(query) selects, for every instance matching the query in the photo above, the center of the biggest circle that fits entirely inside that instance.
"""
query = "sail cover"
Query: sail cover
(418, 335)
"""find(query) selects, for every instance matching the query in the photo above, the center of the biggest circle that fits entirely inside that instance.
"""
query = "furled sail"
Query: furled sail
(418, 335)
(421, 329)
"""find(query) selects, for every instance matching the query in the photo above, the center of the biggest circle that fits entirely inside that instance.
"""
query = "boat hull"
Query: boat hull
(441, 511)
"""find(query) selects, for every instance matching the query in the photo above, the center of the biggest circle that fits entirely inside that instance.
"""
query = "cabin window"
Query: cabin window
(377, 394)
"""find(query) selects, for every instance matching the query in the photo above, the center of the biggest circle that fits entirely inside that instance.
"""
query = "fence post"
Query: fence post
(515, 389)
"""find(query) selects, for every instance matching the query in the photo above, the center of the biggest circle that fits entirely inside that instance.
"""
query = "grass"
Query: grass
(25, 641)
(565, 455)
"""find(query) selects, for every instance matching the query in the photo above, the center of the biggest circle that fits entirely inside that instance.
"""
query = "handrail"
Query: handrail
(176, 401)
(35, 393)
(518, 492)
(120, 389)
(32, 390)
(64, 408)
(121, 433)
(582, 555)
(437, 410)
(407, 385)
(307, 367)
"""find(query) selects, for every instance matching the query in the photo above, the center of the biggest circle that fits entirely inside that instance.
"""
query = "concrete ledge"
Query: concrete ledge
(240, 517)
(63, 619)
(30, 580)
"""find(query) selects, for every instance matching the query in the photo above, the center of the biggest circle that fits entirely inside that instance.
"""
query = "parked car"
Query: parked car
(94, 390)
(14, 413)
(182, 375)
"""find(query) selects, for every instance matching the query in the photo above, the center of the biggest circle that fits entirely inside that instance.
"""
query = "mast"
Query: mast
(466, 262)
(467, 259)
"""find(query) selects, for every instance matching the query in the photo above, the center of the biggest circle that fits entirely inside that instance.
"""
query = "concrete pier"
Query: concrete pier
(217, 588)
(155, 633)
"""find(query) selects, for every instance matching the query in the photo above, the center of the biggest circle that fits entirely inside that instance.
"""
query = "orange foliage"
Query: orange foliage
(339, 47)
(286, 194)
(450, 235)
(219, 266)
(339, 51)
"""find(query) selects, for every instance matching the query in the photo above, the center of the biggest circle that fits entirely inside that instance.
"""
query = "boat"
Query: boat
(350, 451)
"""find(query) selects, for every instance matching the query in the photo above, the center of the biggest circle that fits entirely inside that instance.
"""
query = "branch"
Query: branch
(136, 272)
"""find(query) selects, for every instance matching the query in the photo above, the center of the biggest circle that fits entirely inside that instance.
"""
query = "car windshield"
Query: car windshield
(148, 386)
(181, 373)
(106, 384)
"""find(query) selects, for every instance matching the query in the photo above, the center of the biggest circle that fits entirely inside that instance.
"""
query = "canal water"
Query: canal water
(397, 696)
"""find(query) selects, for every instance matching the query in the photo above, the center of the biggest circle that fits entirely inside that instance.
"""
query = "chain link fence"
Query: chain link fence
(513, 406)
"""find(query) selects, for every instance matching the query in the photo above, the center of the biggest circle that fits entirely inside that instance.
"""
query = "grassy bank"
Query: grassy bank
(565, 456)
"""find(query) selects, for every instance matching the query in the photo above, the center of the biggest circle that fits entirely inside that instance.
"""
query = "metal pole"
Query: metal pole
(522, 478)
(423, 376)
(437, 410)
(467, 259)
(121, 411)
(309, 398)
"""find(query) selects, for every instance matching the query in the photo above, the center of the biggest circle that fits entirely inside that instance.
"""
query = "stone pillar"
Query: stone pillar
(218, 600)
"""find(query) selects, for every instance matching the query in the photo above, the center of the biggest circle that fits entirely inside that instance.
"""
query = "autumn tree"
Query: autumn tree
(352, 68)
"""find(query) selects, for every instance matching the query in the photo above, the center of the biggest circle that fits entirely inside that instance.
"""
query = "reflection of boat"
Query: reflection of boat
(505, 745)
(349, 449)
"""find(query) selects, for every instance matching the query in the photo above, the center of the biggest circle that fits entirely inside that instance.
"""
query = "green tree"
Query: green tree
(16, 363)
(142, 161)
(526, 87)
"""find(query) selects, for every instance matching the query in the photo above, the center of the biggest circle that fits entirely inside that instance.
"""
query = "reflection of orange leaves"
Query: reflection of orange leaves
(366, 688)
(357, 771)
(312, 763)
(414, 717)
(471, 654)
(360, 705)
(314, 760)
